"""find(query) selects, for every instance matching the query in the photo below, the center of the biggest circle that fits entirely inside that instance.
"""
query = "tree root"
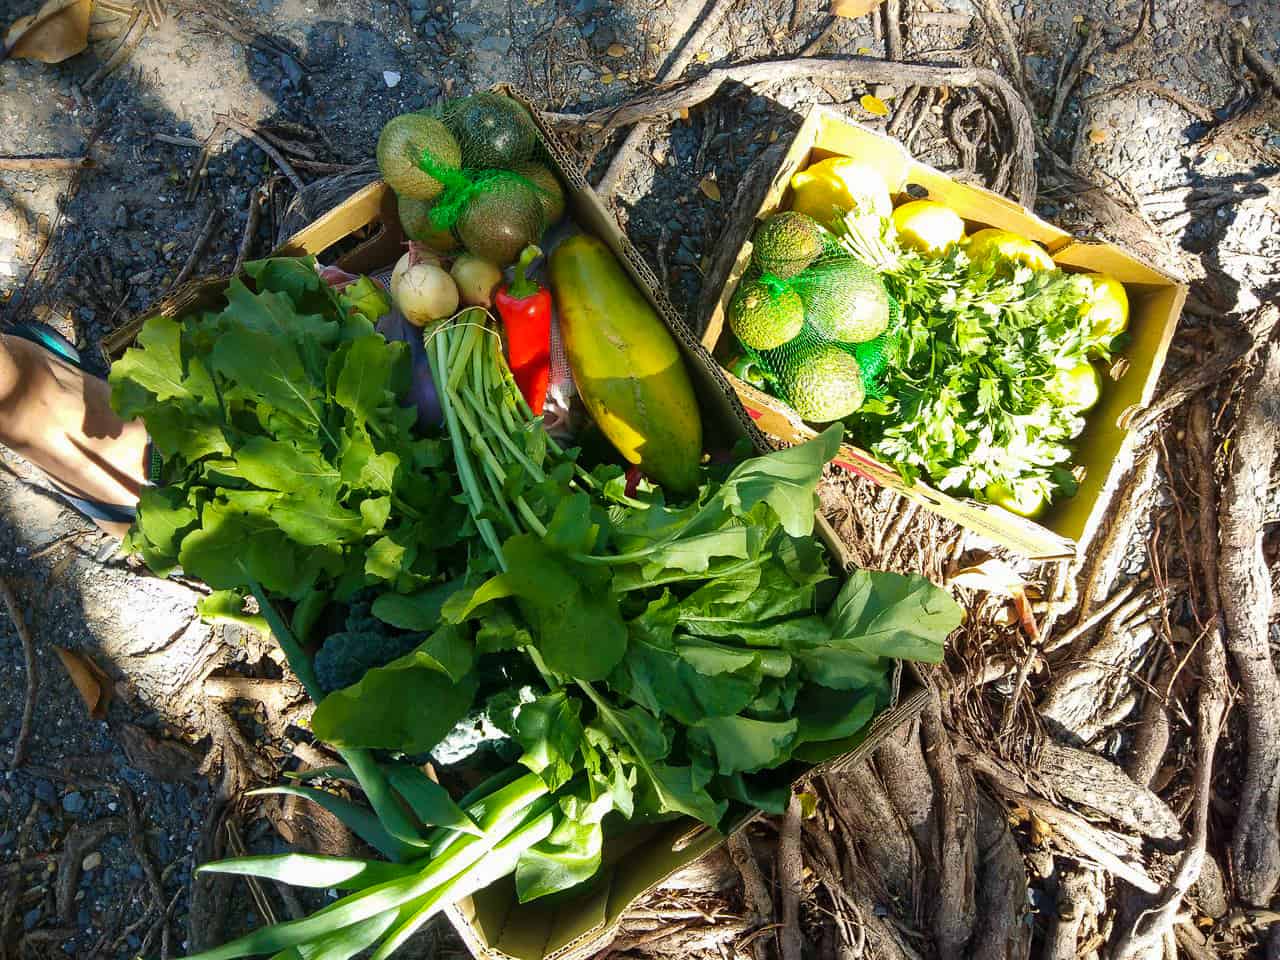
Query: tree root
(80, 841)
(1092, 781)
(866, 69)
(1244, 583)
(999, 932)
(19, 755)
(790, 882)
(957, 854)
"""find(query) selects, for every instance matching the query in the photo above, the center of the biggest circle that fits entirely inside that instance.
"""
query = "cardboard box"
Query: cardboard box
(1155, 299)
(493, 923)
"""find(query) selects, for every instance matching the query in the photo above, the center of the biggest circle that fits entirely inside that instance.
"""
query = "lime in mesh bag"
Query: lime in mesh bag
(821, 334)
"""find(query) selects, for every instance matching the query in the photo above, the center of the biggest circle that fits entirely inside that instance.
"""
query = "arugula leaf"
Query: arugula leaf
(417, 611)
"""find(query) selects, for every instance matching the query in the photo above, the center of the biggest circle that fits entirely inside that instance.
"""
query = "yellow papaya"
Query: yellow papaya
(626, 364)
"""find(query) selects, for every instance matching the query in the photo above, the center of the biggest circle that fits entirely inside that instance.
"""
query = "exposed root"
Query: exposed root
(1245, 584)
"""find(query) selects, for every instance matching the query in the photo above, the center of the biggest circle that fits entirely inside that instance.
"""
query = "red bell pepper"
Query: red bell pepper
(525, 309)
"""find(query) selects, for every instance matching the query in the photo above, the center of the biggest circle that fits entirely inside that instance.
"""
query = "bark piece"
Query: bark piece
(1093, 781)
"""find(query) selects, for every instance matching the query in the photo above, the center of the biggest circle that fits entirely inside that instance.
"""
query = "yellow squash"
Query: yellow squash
(626, 364)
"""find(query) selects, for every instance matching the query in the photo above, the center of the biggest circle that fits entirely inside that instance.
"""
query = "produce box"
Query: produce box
(363, 235)
(1155, 299)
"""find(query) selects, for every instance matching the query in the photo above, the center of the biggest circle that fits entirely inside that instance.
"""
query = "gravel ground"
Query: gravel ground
(326, 74)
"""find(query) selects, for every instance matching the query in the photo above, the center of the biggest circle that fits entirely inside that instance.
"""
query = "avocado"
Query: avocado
(501, 219)
(787, 243)
(765, 317)
(844, 300)
(820, 381)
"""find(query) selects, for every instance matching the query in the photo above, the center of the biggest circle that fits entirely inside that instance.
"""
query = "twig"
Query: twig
(197, 172)
(81, 840)
(202, 241)
(868, 69)
(1112, 603)
(138, 841)
(892, 10)
(790, 881)
(250, 228)
(248, 132)
(33, 679)
(1257, 328)
(177, 141)
(993, 18)
(1154, 87)
(819, 38)
(1089, 45)
(129, 41)
(1244, 582)
(679, 63)
(1259, 64)
(45, 163)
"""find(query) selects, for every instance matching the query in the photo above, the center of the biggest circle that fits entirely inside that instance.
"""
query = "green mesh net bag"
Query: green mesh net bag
(479, 164)
(823, 337)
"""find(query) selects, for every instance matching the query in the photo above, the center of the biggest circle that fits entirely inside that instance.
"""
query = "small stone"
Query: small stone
(44, 792)
(31, 918)
(121, 218)
(73, 802)
(292, 70)
(883, 91)
(92, 862)
(390, 78)
(604, 37)
(496, 42)
(465, 31)
(758, 106)
(584, 8)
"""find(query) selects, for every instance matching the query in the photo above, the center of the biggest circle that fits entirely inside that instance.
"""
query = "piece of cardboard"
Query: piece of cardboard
(1155, 299)
(492, 922)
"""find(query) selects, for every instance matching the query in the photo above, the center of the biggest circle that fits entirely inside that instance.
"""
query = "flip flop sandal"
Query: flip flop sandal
(50, 339)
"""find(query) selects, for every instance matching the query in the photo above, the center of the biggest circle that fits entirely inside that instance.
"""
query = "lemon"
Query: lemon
(927, 226)
(1108, 309)
(1009, 245)
(1077, 387)
(1028, 505)
(830, 188)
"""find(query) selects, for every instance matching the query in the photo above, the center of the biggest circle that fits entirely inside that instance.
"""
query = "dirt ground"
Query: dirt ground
(101, 827)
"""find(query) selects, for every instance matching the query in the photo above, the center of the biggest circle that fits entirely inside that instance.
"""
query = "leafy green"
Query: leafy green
(970, 397)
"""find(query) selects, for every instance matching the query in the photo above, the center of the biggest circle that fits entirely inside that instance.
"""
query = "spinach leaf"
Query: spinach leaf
(892, 615)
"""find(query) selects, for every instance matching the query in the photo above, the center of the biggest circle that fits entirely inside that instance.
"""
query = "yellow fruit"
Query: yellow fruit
(927, 226)
(1009, 245)
(830, 188)
(626, 364)
(1077, 387)
(1028, 505)
(1108, 309)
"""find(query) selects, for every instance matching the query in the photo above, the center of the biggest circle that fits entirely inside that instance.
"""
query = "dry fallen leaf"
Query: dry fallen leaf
(1098, 135)
(710, 188)
(606, 78)
(93, 684)
(58, 30)
(616, 50)
(852, 9)
(874, 105)
(995, 576)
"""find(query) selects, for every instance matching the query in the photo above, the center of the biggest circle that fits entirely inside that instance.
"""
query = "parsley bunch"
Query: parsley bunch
(969, 397)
